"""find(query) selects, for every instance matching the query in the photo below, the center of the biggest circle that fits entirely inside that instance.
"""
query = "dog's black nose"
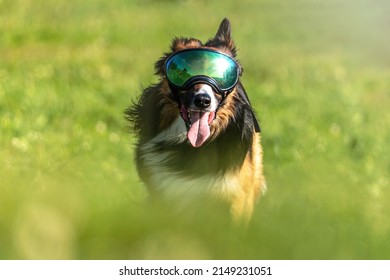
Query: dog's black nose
(202, 100)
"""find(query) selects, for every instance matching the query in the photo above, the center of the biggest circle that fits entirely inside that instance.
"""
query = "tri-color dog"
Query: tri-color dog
(197, 132)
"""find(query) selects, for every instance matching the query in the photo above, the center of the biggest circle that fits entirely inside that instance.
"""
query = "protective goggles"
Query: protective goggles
(188, 67)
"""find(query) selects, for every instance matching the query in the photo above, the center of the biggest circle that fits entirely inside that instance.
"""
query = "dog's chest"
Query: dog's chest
(176, 170)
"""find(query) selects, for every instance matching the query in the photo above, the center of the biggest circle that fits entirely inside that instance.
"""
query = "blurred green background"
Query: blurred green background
(317, 73)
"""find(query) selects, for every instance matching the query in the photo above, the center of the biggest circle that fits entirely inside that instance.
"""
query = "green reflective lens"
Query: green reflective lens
(182, 66)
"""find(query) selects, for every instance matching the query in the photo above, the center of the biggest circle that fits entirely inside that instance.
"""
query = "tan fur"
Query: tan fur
(169, 109)
(225, 113)
(252, 184)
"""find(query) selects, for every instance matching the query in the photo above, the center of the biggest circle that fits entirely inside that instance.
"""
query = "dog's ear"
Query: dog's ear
(224, 31)
(159, 65)
(223, 38)
(181, 43)
(178, 44)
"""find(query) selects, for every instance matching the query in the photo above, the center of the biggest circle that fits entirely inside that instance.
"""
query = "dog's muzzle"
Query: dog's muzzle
(199, 115)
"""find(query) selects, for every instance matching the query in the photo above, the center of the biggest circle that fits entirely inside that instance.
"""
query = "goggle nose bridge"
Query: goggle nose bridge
(202, 79)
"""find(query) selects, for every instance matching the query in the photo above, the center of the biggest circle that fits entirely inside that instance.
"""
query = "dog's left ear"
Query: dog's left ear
(224, 31)
(223, 37)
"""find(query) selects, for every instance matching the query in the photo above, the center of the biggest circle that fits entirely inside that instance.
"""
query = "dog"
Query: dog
(197, 132)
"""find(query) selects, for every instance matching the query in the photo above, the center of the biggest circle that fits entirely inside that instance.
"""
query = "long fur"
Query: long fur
(228, 166)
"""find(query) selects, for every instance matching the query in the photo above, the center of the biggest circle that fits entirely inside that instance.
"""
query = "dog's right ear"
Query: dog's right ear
(181, 43)
(160, 64)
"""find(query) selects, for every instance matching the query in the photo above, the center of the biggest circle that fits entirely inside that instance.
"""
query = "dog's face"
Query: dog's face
(204, 109)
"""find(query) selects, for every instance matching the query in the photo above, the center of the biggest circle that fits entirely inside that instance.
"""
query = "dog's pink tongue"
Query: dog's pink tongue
(199, 130)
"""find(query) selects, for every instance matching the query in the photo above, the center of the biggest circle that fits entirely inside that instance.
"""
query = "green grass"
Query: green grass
(318, 75)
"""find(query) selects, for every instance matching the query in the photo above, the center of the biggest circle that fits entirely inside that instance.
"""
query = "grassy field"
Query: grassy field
(317, 73)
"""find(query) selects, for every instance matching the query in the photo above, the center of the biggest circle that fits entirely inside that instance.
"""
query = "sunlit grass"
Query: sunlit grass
(317, 74)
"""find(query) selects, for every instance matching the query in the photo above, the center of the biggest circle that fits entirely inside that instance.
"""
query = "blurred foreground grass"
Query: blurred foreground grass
(317, 73)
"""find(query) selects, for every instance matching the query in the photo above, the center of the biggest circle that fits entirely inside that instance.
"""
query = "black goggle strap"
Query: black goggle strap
(244, 96)
(255, 122)
(175, 94)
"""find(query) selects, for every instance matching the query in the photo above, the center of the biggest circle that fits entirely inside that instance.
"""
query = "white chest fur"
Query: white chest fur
(173, 185)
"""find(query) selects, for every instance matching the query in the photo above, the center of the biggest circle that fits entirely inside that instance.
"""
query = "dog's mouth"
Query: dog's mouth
(198, 125)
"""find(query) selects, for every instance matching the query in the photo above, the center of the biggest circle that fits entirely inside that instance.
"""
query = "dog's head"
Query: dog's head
(202, 79)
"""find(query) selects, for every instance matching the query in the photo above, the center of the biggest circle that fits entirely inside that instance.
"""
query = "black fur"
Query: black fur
(144, 114)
